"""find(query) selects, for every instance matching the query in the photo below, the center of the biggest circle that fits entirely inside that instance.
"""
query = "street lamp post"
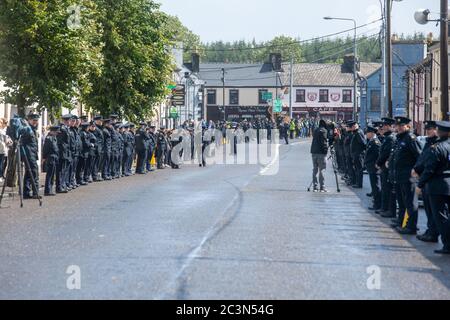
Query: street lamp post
(422, 17)
(355, 65)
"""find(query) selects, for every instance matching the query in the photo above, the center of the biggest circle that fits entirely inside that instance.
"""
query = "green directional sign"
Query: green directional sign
(173, 113)
(172, 86)
(277, 106)
(267, 95)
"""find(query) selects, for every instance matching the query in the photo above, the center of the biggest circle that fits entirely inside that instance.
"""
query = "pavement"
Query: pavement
(221, 232)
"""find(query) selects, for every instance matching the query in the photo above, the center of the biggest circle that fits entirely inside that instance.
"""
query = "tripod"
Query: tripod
(17, 165)
(335, 167)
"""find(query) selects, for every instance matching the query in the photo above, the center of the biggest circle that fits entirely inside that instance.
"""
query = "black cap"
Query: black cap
(74, 117)
(152, 127)
(114, 116)
(54, 128)
(443, 125)
(377, 124)
(350, 123)
(371, 129)
(98, 118)
(66, 116)
(85, 124)
(126, 126)
(388, 121)
(402, 120)
(142, 123)
(106, 121)
(132, 125)
(83, 117)
(33, 116)
(430, 125)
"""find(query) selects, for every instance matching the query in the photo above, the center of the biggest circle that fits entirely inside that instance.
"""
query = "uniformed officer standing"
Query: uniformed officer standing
(406, 153)
(88, 170)
(160, 147)
(357, 149)
(84, 154)
(151, 147)
(107, 144)
(436, 179)
(141, 140)
(349, 174)
(127, 150)
(372, 153)
(431, 234)
(121, 146)
(114, 147)
(50, 154)
(100, 150)
(75, 149)
(29, 154)
(388, 200)
(65, 156)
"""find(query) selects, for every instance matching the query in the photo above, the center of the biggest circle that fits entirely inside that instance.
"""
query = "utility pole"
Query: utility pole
(388, 39)
(383, 68)
(223, 95)
(444, 61)
(291, 87)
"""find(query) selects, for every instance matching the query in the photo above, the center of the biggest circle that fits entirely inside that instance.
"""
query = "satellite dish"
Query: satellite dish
(421, 16)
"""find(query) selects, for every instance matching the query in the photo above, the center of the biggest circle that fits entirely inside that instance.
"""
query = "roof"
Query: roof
(325, 74)
(262, 75)
(238, 75)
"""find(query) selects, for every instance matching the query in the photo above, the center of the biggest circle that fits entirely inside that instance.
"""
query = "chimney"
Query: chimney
(349, 63)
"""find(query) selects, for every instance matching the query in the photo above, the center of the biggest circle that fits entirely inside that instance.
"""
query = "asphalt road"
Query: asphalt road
(223, 232)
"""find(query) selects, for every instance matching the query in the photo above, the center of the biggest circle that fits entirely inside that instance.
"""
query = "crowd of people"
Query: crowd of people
(77, 152)
(400, 167)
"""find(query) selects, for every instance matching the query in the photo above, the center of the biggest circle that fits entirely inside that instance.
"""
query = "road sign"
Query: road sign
(172, 86)
(267, 96)
(277, 105)
(173, 113)
(178, 95)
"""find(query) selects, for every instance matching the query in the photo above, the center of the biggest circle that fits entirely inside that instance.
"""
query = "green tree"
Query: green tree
(137, 64)
(43, 61)
(289, 48)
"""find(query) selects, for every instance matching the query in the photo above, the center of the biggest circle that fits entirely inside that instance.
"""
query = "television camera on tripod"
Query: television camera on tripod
(24, 149)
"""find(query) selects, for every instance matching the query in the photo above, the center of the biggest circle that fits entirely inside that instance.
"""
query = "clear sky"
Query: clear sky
(230, 20)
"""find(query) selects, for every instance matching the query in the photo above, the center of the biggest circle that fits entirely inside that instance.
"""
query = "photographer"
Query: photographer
(29, 152)
(319, 151)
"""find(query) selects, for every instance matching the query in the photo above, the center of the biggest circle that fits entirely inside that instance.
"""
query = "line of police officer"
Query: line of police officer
(398, 166)
(78, 152)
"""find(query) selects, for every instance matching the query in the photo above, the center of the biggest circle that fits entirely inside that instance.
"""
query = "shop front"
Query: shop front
(237, 113)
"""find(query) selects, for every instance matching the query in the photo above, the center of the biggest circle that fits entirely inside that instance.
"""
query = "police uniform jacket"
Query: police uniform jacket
(406, 153)
(372, 153)
(436, 175)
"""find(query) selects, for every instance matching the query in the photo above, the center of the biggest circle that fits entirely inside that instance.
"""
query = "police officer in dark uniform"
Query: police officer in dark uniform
(436, 179)
(348, 155)
(84, 154)
(50, 154)
(370, 159)
(142, 140)
(74, 148)
(160, 147)
(431, 234)
(127, 150)
(388, 200)
(357, 149)
(29, 153)
(406, 153)
(99, 158)
(107, 144)
(65, 156)
(88, 170)
(114, 147)
(151, 147)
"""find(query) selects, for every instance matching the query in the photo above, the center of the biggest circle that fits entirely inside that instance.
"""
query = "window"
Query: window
(261, 99)
(234, 97)
(212, 99)
(323, 95)
(375, 100)
(300, 95)
(347, 96)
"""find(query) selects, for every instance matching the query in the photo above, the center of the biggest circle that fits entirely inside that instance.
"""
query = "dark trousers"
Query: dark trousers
(440, 206)
(50, 168)
(431, 224)
(61, 174)
(88, 169)
(375, 186)
(386, 191)
(410, 203)
(106, 164)
(149, 159)
(97, 165)
(72, 178)
(141, 158)
(81, 165)
(113, 165)
(358, 164)
(31, 175)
